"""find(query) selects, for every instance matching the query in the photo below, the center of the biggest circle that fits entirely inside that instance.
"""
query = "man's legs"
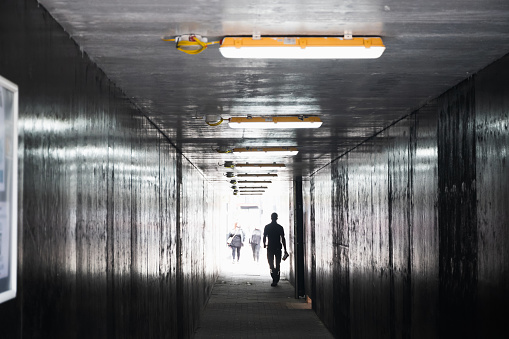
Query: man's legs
(238, 254)
(233, 253)
(277, 254)
(270, 259)
(274, 271)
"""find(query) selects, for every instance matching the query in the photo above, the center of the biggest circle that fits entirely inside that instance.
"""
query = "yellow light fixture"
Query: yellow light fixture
(265, 150)
(257, 175)
(252, 187)
(231, 164)
(302, 47)
(248, 165)
(275, 122)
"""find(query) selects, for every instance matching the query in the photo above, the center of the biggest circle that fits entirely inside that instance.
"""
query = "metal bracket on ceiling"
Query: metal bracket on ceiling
(348, 35)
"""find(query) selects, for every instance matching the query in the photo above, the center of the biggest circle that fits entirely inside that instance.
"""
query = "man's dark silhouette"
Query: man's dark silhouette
(276, 235)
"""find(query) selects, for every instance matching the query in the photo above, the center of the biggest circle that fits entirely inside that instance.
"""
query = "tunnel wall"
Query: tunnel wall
(115, 225)
(419, 242)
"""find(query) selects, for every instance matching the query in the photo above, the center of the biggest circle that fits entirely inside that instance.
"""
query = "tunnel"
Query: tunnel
(122, 224)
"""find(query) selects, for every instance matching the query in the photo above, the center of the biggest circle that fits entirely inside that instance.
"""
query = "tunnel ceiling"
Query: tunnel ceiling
(430, 47)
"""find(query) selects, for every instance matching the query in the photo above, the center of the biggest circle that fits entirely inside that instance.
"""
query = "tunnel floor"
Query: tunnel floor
(244, 305)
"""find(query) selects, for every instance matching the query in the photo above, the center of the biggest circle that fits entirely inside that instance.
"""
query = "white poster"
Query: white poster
(4, 239)
(9, 95)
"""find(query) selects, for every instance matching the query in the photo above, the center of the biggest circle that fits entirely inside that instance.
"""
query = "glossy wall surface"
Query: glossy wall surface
(116, 226)
(407, 235)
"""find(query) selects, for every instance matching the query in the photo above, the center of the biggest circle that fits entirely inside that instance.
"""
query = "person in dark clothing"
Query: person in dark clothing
(276, 236)
(256, 239)
(238, 236)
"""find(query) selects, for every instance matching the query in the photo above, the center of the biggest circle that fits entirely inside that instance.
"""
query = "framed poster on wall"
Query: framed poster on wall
(8, 188)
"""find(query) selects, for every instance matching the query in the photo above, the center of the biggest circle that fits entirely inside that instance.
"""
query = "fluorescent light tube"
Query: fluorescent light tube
(302, 48)
(263, 166)
(275, 122)
(266, 150)
(252, 187)
(257, 175)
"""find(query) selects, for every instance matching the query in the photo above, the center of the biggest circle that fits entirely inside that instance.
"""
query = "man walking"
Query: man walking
(276, 235)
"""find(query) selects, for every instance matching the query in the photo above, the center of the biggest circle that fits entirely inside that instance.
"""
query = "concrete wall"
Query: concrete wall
(419, 243)
(115, 225)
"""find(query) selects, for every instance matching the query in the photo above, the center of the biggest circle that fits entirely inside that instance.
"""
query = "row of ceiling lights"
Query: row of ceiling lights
(345, 47)
(261, 122)
(255, 187)
(249, 122)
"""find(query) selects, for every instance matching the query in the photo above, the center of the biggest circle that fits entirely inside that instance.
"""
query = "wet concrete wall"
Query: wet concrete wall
(407, 235)
(115, 225)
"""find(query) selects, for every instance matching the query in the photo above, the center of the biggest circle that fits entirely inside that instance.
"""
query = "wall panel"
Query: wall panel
(323, 246)
(369, 235)
(457, 222)
(492, 173)
(400, 227)
(340, 246)
(424, 221)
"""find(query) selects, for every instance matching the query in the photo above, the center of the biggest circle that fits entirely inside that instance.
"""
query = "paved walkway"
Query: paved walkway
(244, 305)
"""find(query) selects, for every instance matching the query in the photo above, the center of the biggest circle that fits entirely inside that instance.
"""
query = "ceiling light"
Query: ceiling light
(257, 175)
(231, 164)
(252, 187)
(266, 150)
(275, 122)
(254, 182)
(302, 47)
(259, 191)
(251, 193)
(268, 165)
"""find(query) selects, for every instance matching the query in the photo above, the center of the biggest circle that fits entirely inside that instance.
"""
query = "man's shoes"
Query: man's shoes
(273, 284)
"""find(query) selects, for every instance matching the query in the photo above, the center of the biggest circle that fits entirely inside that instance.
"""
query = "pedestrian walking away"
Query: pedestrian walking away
(255, 240)
(276, 240)
(236, 241)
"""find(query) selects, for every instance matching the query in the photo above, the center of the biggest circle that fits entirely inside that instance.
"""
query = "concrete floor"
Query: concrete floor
(244, 305)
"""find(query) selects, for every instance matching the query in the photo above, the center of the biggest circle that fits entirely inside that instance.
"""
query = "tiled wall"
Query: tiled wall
(116, 227)
(408, 235)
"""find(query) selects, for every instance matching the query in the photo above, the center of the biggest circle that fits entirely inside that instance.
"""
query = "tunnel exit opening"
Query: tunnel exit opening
(251, 214)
